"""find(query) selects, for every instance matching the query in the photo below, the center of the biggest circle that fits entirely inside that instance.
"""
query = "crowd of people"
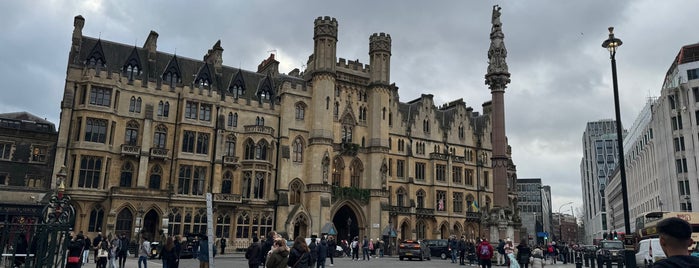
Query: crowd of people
(273, 252)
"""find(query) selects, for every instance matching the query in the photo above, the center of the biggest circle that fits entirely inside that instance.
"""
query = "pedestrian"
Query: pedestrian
(501, 253)
(143, 252)
(371, 248)
(299, 256)
(537, 258)
(86, 249)
(365, 249)
(322, 253)
(355, 248)
(95, 244)
(113, 249)
(313, 248)
(75, 251)
(266, 246)
(485, 252)
(167, 253)
(21, 248)
(380, 247)
(223, 242)
(523, 253)
(252, 254)
(675, 237)
(453, 245)
(510, 254)
(331, 249)
(102, 253)
(123, 250)
(178, 251)
(279, 255)
(462, 250)
(203, 252)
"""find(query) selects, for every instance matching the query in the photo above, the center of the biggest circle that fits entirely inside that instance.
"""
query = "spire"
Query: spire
(497, 77)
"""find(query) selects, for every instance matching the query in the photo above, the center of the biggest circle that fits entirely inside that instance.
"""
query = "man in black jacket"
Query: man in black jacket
(331, 249)
(253, 253)
(95, 243)
(462, 250)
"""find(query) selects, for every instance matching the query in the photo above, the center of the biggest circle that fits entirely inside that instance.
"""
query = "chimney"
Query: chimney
(269, 65)
(215, 57)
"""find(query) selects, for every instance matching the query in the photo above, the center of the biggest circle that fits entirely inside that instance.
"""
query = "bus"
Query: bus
(646, 223)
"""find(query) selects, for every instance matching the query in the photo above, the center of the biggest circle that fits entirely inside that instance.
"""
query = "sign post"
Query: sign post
(210, 228)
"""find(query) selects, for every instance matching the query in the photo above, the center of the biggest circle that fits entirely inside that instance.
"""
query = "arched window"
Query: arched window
(390, 143)
(242, 226)
(96, 219)
(126, 175)
(230, 145)
(470, 205)
(420, 198)
(124, 222)
(260, 121)
(327, 103)
(227, 182)
(346, 134)
(426, 126)
(261, 150)
(336, 110)
(338, 169)
(132, 71)
(461, 132)
(199, 222)
(131, 135)
(400, 197)
(363, 142)
(132, 104)
(156, 175)
(487, 203)
(300, 111)
(298, 150)
(390, 119)
(138, 105)
(259, 185)
(230, 119)
(247, 181)
(160, 137)
(295, 193)
(164, 109)
(383, 113)
(223, 226)
(421, 229)
(249, 149)
(356, 173)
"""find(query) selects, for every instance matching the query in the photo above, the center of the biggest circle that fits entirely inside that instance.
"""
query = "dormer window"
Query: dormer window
(171, 79)
(132, 71)
(202, 82)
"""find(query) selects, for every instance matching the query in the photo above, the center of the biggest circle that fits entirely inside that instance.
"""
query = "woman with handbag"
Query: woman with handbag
(102, 254)
(75, 250)
(300, 254)
(167, 253)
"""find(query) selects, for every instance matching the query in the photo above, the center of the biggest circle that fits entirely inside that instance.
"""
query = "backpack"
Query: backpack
(485, 250)
(550, 249)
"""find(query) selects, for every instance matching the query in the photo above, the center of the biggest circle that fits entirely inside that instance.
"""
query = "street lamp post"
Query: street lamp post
(611, 44)
(560, 228)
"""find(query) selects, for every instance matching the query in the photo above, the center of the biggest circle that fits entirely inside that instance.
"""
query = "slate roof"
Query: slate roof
(22, 118)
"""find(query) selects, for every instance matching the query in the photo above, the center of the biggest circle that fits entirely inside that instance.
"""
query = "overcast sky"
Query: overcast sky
(561, 76)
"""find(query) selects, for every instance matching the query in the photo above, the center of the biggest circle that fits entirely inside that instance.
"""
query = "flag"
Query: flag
(474, 205)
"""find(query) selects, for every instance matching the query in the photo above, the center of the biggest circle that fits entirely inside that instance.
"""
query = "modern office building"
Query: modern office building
(530, 201)
(27, 150)
(145, 135)
(596, 168)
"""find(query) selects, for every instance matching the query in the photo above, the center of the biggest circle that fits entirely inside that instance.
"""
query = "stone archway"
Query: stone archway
(300, 226)
(444, 231)
(347, 223)
(405, 232)
(150, 225)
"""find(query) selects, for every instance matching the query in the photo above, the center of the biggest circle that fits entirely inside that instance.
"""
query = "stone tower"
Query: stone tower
(500, 219)
(323, 75)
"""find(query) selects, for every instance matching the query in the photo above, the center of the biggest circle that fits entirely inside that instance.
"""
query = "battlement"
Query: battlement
(326, 20)
(380, 42)
(376, 37)
(353, 65)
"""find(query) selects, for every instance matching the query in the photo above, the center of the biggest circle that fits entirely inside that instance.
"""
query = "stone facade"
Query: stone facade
(146, 134)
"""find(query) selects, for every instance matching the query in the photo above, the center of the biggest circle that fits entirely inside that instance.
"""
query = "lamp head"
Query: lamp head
(612, 43)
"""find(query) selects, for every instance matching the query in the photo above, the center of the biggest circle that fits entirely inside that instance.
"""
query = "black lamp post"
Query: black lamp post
(611, 44)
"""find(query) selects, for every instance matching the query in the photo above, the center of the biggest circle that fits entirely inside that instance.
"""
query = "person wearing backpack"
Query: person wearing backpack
(485, 252)
(253, 253)
(501, 253)
(355, 248)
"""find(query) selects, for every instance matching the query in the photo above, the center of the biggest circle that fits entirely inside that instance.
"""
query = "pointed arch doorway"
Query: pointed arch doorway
(150, 225)
(346, 222)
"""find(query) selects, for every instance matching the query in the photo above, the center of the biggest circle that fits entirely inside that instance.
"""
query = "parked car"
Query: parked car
(154, 250)
(438, 248)
(610, 251)
(413, 249)
(649, 252)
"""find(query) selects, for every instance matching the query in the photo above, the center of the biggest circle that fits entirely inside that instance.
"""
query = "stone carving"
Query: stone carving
(497, 66)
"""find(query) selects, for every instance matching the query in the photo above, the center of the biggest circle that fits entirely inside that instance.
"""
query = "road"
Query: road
(238, 260)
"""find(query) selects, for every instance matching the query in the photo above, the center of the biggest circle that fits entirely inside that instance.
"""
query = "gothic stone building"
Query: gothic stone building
(146, 134)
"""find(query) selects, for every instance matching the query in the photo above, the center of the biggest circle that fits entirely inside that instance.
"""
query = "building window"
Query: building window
(4, 178)
(400, 168)
(242, 229)
(164, 109)
(261, 150)
(96, 130)
(160, 137)
(249, 150)
(681, 165)
(671, 101)
(400, 197)
(298, 150)
(420, 198)
(355, 173)
(205, 112)
(132, 71)
(441, 200)
(5, 150)
(346, 134)
(191, 180)
(692, 74)
(486, 179)
(295, 193)
(126, 175)
(419, 171)
(124, 222)
(188, 140)
(456, 175)
(338, 169)
(679, 144)
(421, 230)
(191, 109)
(458, 202)
(90, 169)
(156, 175)
(676, 122)
(34, 181)
(223, 226)
(461, 132)
(135, 105)
(336, 110)
(175, 222)
(300, 111)
(260, 121)
(39, 153)
(227, 183)
(199, 224)
(441, 172)
(230, 145)
(246, 183)
(469, 177)
(426, 126)
(203, 143)
(100, 96)
(232, 119)
(96, 220)
(259, 185)
(390, 119)
(695, 92)
(131, 135)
